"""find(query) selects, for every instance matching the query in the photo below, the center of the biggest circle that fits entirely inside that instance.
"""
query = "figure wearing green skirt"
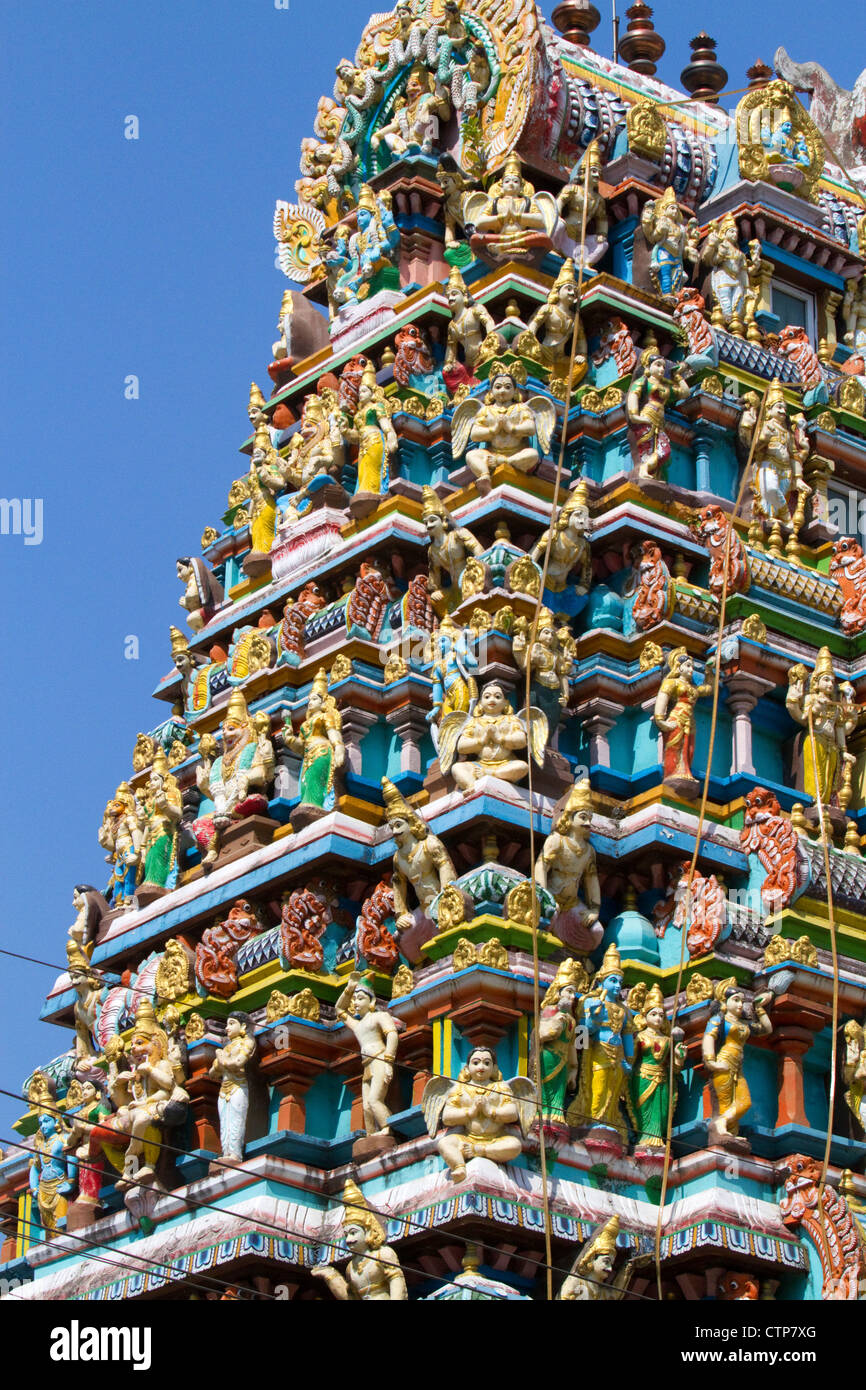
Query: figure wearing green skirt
(320, 742)
(557, 1043)
(649, 1082)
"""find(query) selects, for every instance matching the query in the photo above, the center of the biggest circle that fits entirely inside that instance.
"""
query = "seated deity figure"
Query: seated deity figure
(673, 241)
(781, 142)
(316, 449)
(421, 860)
(511, 221)
(234, 782)
(470, 325)
(372, 246)
(483, 1116)
(491, 740)
(501, 429)
(373, 1273)
(147, 1093)
(414, 125)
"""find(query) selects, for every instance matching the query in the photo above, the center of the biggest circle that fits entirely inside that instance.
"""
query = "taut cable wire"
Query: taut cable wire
(717, 677)
(536, 985)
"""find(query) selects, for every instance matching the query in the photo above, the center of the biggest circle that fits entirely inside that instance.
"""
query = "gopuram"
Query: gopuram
(483, 917)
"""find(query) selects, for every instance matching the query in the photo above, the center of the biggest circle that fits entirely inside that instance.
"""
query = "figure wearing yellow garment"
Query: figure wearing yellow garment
(607, 1064)
(374, 434)
(454, 687)
(265, 481)
(827, 764)
(725, 1038)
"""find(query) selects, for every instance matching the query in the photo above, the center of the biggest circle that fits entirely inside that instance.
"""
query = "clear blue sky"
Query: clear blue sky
(154, 257)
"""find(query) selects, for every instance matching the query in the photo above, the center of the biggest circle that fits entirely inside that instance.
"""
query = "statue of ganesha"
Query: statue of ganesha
(414, 125)
(235, 782)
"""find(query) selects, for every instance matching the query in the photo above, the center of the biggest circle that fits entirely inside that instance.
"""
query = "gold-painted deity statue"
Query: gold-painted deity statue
(725, 1036)
(829, 715)
(483, 1116)
(491, 740)
(373, 1273)
(511, 221)
(502, 428)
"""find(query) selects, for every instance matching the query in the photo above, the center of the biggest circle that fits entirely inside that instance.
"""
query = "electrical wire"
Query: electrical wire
(717, 680)
(142, 1262)
(410, 1228)
(536, 988)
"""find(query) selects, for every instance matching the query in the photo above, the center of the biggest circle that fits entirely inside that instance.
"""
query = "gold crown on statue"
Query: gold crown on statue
(612, 963)
(366, 198)
(178, 642)
(357, 1213)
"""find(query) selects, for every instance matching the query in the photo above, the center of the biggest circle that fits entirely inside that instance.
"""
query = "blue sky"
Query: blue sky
(154, 257)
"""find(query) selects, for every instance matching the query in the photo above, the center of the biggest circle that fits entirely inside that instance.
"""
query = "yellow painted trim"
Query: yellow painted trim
(25, 1216)
(523, 1046)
